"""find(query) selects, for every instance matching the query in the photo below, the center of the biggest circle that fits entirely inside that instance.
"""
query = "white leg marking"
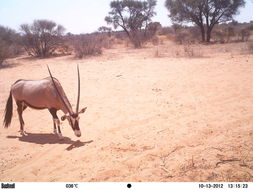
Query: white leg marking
(23, 133)
(57, 123)
(60, 136)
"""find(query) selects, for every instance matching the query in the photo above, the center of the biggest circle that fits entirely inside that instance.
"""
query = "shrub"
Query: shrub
(230, 32)
(180, 38)
(250, 47)
(106, 30)
(9, 44)
(219, 36)
(64, 49)
(244, 34)
(166, 31)
(155, 41)
(4, 52)
(188, 50)
(41, 38)
(88, 44)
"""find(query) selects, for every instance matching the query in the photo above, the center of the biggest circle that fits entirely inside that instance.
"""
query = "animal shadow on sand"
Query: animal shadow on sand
(47, 138)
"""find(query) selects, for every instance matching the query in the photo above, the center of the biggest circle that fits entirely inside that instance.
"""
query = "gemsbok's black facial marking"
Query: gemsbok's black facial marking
(74, 115)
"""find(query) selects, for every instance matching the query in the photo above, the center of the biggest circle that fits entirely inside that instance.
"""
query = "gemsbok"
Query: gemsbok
(43, 94)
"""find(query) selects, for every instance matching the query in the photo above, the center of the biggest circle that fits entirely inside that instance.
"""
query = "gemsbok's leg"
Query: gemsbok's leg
(55, 130)
(56, 122)
(20, 108)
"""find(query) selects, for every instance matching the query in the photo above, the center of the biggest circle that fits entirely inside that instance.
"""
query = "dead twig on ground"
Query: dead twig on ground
(193, 164)
(166, 170)
(219, 149)
(174, 150)
(228, 160)
(163, 130)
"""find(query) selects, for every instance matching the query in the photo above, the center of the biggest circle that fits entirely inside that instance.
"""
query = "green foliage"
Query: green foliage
(132, 16)
(204, 13)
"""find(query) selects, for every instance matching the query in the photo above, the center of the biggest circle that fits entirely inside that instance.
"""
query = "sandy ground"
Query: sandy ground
(153, 114)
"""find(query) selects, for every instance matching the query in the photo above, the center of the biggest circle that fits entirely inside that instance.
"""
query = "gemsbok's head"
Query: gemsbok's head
(71, 116)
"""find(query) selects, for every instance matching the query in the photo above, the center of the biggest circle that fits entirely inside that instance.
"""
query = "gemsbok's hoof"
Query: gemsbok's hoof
(55, 131)
(60, 136)
(23, 133)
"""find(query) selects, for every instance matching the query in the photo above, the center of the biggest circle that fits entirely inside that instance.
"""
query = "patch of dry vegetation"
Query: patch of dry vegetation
(87, 45)
(9, 44)
(250, 47)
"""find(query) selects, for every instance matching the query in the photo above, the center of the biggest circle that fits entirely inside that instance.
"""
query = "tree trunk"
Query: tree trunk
(202, 29)
(136, 39)
(208, 33)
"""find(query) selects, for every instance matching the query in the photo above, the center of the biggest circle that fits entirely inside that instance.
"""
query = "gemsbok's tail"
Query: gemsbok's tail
(8, 112)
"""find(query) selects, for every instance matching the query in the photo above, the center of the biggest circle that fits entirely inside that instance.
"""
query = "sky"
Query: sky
(79, 16)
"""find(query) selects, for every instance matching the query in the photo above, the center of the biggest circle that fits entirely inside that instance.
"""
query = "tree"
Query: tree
(104, 29)
(42, 37)
(204, 13)
(153, 27)
(133, 17)
(176, 27)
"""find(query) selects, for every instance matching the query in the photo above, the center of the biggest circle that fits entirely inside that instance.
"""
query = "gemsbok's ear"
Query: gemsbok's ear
(82, 110)
(63, 117)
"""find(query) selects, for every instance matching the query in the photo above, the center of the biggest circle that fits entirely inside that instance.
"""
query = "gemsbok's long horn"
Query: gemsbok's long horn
(78, 96)
(58, 91)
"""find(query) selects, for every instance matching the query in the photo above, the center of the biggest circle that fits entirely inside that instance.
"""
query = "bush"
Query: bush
(9, 44)
(166, 31)
(64, 49)
(250, 47)
(219, 36)
(186, 35)
(180, 38)
(188, 50)
(41, 38)
(89, 44)
(244, 34)
(194, 34)
(4, 52)
(105, 30)
(230, 32)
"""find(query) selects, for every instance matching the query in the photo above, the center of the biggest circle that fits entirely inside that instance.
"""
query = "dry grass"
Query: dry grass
(88, 45)
(250, 47)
